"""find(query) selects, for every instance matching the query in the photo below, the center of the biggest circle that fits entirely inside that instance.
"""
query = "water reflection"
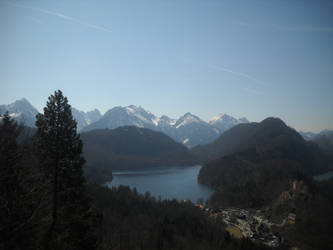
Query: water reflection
(168, 183)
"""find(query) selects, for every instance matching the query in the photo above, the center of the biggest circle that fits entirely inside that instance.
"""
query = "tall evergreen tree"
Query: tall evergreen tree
(59, 149)
(12, 211)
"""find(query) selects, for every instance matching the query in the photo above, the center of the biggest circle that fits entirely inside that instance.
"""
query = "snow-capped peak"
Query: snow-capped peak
(223, 122)
(164, 121)
(130, 109)
(187, 119)
(216, 118)
(21, 110)
(223, 118)
(168, 120)
(141, 114)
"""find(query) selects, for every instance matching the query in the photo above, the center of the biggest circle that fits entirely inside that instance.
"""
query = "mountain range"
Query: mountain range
(22, 111)
(250, 165)
(189, 129)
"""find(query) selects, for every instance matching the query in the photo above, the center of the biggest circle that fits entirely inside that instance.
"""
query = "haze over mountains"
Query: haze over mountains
(83, 119)
(188, 129)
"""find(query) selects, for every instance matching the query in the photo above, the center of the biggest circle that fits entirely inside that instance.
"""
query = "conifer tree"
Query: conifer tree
(12, 212)
(59, 149)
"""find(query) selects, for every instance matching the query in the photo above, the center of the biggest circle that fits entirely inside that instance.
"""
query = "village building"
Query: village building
(292, 218)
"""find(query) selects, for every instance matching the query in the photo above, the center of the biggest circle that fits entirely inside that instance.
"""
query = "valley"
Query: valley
(166, 125)
(255, 177)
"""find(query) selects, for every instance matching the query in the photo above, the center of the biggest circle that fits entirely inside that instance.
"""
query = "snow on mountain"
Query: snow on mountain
(187, 119)
(164, 122)
(223, 122)
(191, 131)
(85, 118)
(124, 116)
(92, 116)
(188, 129)
(141, 114)
(132, 116)
(22, 111)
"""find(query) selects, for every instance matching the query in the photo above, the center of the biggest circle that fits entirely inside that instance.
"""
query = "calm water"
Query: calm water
(324, 177)
(180, 183)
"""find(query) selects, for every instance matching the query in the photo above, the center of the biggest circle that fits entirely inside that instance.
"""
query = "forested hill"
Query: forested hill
(267, 165)
(269, 139)
(132, 221)
(125, 148)
(132, 147)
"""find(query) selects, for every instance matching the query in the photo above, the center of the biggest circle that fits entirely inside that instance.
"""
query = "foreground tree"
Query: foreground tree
(11, 214)
(59, 150)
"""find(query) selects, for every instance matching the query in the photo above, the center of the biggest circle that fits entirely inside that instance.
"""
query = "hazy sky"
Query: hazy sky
(244, 58)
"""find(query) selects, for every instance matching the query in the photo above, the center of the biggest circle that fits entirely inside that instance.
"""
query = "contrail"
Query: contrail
(60, 15)
(236, 73)
(219, 68)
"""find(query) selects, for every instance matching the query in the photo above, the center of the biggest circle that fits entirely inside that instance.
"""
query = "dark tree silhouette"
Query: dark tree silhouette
(59, 151)
(11, 213)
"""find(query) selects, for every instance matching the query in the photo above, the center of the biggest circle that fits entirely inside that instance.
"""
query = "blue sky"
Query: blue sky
(255, 58)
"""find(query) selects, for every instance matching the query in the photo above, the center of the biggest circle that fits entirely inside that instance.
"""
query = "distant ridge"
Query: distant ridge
(131, 147)
(22, 111)
(311, 136)
(269, 139)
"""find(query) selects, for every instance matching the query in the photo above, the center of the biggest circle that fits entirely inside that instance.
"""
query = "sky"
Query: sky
(251, 59)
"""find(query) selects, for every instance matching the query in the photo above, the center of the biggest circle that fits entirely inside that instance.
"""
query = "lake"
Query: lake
(323, 177)
(180, 183)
